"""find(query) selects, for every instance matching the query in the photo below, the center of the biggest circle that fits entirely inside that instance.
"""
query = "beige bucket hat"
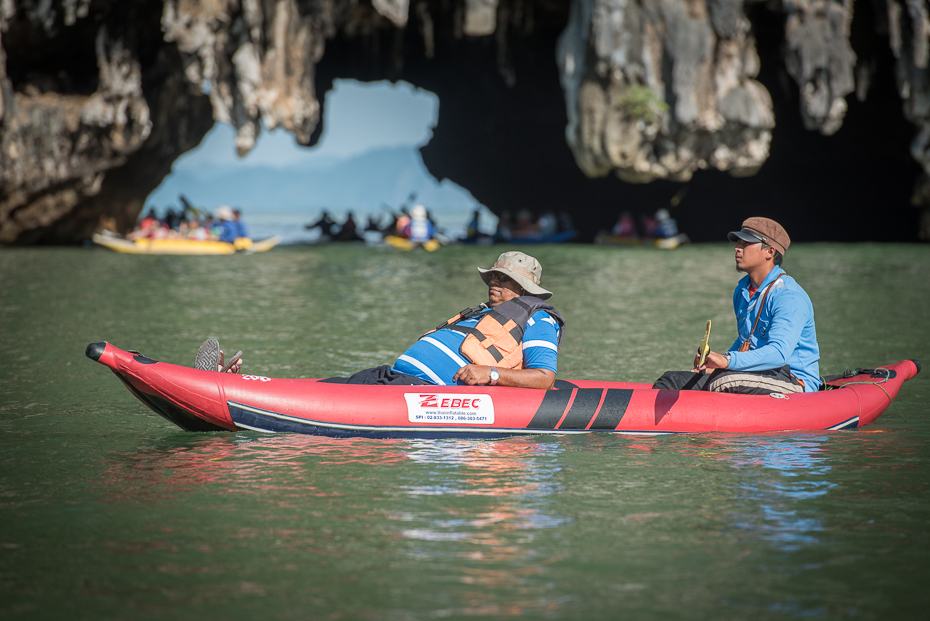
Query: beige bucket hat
(224, 212)
(522, 268)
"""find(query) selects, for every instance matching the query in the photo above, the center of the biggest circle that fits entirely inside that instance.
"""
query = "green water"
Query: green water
(108, 512)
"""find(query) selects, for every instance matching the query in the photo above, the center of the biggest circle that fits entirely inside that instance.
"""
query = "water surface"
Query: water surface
(110, 512)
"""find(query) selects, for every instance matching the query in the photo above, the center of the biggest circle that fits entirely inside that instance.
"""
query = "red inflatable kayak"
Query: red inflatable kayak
(207, 401)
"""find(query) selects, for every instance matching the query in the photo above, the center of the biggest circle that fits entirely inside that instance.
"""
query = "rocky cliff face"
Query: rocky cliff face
(99, 97)
(94, 111)
(658, 90)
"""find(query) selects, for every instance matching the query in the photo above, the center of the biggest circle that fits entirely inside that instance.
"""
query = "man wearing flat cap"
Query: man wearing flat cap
(511, 340)
(776, 350)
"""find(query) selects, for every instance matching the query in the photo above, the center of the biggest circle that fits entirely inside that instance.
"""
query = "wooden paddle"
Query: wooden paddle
(704, 347)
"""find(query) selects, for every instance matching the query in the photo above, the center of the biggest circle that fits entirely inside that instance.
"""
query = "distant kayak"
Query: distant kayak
(184, 246)
(405, 244)
(666, 243)
(555, 238)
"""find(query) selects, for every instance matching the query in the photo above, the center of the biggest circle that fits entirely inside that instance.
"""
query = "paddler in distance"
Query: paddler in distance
(776, 350)
(511, 340)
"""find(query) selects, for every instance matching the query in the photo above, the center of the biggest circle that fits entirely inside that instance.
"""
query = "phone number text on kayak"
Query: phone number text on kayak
(447, 409)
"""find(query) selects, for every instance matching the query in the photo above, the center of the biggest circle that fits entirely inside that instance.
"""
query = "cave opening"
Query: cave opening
(366, 161)
(501, 135)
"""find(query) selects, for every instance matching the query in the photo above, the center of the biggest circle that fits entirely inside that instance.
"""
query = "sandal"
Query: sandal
(208, 356)
(232, 361)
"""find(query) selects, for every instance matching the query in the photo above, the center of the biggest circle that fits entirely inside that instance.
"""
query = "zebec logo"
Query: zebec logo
(449, 409)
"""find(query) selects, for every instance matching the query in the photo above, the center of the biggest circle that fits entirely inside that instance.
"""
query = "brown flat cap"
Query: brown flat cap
(762, 230)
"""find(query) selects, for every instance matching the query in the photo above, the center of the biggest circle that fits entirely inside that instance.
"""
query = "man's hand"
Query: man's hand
(479, 374)
(473, 374)
(713, 361)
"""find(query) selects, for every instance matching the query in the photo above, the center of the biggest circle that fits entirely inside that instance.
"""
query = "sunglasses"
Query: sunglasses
(501, 278)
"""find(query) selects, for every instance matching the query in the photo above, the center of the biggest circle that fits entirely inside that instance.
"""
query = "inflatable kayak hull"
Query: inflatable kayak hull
(184, 246)
(208, 401)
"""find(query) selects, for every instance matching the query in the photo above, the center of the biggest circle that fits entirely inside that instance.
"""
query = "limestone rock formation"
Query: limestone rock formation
(659, 89)
(99, 97)
(908, 25)
(821, 60)
(58, 146)
(256, 63)
(77, 148)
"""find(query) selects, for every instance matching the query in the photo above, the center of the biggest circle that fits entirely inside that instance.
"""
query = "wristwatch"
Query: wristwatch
(494, 376)
(727, 356)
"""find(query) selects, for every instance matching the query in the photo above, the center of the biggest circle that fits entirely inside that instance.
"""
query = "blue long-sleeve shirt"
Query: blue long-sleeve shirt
(785, 334)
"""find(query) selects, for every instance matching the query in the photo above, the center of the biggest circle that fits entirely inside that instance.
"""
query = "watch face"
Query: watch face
(495, 375)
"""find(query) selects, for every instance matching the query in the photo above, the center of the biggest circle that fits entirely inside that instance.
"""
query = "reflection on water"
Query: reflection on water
(472, 510)
(776, 477)
(250, 465)
(514, 476)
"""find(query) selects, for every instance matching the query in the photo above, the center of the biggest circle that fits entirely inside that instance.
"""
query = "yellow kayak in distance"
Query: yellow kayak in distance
(406, 244)
(184, 246)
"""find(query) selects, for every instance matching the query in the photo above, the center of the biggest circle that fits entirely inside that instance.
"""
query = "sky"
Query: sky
(358, 117)
(361, 121)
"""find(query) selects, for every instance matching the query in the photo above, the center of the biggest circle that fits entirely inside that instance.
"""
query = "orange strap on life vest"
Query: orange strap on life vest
(745, 345)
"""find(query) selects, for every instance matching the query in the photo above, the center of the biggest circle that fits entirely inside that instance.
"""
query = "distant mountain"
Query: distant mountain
(363, 184)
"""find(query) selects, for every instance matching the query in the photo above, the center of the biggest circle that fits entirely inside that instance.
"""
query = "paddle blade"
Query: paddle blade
(704, 347)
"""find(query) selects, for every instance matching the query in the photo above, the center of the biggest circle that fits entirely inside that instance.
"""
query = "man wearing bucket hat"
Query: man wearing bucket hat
(419, 229)
(776, 350)
(227, 230)
(511, 340)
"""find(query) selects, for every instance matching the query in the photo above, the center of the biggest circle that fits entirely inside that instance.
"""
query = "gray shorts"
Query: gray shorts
(726, 380)
(383, 375)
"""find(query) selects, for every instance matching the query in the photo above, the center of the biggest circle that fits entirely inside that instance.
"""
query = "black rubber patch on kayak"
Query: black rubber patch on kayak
(564, 385)
(550, 410)
(615, 405)
(95, 350)
(143, 359)
(583, 408)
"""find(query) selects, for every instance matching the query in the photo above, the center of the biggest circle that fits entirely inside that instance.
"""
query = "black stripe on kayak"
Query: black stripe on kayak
(852, 423)
(583, 408)
(255, 419)
(550, 410)
(615, 405)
